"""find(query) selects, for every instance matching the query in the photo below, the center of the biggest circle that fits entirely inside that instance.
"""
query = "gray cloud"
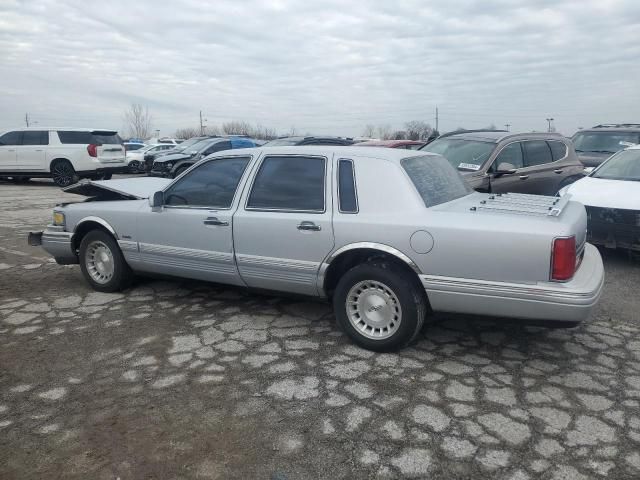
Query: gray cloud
(325, 67)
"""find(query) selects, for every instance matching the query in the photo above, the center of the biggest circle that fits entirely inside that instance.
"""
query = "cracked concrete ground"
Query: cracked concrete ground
(175, 379)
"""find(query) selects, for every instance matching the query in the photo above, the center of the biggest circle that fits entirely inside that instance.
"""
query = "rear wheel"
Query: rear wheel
(102, 262)
(379, 306)
(63, 173)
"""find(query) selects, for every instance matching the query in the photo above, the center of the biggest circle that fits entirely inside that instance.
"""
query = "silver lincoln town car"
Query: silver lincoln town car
(388, 235)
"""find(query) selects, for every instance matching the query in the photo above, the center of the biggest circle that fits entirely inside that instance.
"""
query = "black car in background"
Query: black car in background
(182, 147)
(595, 145)
(296, 141)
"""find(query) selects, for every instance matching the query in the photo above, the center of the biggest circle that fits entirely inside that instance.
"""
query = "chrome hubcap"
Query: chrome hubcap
(373, 309)
(99, 262)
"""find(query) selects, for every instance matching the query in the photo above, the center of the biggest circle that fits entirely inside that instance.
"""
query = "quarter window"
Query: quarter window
(558, 150)
(212, 184)
(538, 153)
(512, 154)
(11, 138)
(35, 137)
(289, 183)
(347, 187)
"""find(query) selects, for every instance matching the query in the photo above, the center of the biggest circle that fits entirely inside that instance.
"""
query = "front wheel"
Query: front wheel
(63, 173)
(106, 176)
(102, 262)
(380, 306)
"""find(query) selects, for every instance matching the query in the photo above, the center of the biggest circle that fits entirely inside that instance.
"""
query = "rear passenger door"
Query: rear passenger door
(31, 154)
(539, 167)
(282, 230)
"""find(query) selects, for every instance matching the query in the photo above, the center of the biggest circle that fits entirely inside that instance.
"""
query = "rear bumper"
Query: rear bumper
(58, 243)
(544, 301)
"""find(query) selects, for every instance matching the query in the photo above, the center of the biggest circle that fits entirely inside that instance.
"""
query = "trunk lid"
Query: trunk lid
(122, 189)
(109, 146)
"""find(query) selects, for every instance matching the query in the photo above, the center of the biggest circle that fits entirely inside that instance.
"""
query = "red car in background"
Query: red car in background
(406, 144)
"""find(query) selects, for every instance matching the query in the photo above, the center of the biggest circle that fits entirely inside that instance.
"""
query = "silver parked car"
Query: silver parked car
(389, 235)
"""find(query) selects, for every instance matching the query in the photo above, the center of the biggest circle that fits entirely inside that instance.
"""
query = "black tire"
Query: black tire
(63, 173)
(121, 275)
(106, 176)
(179, 171)
(411, 298)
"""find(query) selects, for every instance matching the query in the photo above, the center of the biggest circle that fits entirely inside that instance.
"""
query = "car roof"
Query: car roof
(610, 127)
(496, 136)
(341, 151)
(388, 143)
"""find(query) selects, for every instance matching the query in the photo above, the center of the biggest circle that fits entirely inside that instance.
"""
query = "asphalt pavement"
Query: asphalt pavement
(181, 379)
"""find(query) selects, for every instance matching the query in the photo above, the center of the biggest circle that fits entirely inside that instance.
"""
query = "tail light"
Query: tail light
(563, 258)
(92, 149)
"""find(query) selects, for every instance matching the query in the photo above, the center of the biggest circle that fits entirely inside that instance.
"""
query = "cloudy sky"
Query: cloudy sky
(322, 66)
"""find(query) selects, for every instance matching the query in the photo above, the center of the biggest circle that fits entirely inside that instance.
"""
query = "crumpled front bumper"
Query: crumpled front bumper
(58, 243)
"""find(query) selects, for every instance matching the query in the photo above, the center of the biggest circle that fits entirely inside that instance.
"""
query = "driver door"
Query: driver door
(190, 235)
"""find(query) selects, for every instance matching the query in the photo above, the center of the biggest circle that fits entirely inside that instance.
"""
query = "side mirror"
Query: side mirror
(156, 200)
(506, 169)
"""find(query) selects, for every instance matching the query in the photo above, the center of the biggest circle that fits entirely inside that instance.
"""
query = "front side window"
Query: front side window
(11, 138)
(217, 147)
(624, 165)
(435, 179)
(512, 154)
(467, 155)
(289, 183)
(35, 137)
(347, 200)
(538, 153)
(212, 184)
(604, 142)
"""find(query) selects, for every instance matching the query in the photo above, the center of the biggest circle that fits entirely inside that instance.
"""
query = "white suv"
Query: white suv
(64, 154)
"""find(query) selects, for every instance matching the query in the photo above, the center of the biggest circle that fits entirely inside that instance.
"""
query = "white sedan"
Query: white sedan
(135, 159)
(611, 195)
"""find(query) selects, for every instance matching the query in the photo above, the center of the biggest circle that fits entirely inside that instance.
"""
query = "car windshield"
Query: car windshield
(188, 143)
(463, 154)
(283, 142)
(604, 142)
(436, 181)
(622, 166)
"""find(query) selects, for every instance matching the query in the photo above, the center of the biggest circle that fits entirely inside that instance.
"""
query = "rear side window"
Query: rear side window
(435, 179)
(85, 138)
(11, 138)
(558, 150)
(212, 184)
(289, 183)
(347, 187)
(35, 137)
(538, 153)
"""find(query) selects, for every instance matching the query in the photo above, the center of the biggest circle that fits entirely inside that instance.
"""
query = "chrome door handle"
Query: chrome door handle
(216, 222)
(524, 177)
(309, 226)
(557, 171)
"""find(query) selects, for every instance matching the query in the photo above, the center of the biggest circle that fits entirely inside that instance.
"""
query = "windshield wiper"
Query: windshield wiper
(596, 151)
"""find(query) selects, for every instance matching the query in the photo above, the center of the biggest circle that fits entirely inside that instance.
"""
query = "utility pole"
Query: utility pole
(549, 120)
(437, 120)
(507, 125)
(26, 119)
(201, 125)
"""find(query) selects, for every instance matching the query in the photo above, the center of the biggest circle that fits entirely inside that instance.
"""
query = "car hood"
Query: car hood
(173, 157)
(592, 159)
(599, 192)
(122, 189)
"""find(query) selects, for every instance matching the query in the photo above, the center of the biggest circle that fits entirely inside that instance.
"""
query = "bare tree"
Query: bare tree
(237, 128)
(369, 131)
(399, 135)
(417, 130)
(138, 121)
(491, 126)
(186, 133)
(385, 132)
